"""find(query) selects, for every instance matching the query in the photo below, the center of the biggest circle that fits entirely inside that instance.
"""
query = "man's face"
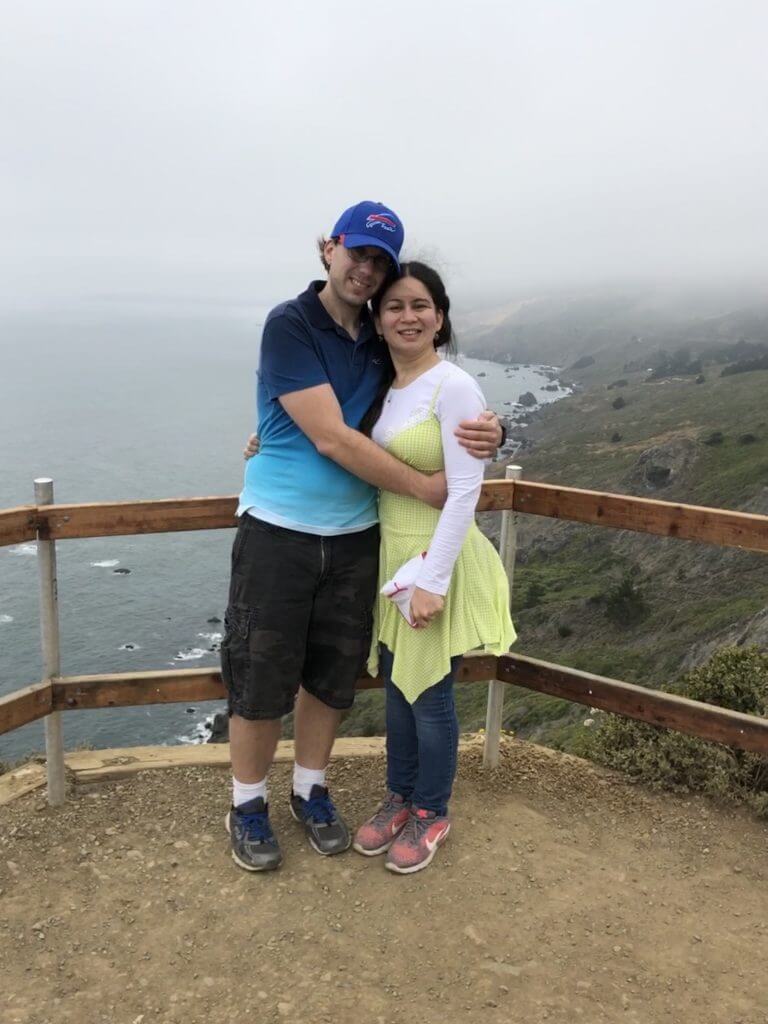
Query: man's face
(355, 274)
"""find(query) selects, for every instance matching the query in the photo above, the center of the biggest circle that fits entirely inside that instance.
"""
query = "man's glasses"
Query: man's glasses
(379, 262)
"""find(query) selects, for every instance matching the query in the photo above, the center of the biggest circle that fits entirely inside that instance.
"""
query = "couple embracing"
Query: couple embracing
(368, 474)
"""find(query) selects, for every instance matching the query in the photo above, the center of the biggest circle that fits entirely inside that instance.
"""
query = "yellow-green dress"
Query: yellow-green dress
(476, 613)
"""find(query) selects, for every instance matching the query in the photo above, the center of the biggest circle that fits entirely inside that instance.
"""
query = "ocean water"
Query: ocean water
(135, 407)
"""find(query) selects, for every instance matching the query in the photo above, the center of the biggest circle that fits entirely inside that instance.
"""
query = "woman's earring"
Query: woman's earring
(380, 337)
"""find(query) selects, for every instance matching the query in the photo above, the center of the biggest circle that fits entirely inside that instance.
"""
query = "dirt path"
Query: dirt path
(563, 895)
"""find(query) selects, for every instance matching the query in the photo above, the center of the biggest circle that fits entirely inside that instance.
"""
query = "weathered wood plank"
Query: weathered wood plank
(175, 686)
(745, 732)
(618, 511)
(643, 515)
(18, 525)
(122, 518)
(127, 689)
(20, 781)
(103, 765)
(24, 706)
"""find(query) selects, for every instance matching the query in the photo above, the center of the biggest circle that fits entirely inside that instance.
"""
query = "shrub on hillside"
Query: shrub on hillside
(624, 603)
(533, 594)
(735, 678)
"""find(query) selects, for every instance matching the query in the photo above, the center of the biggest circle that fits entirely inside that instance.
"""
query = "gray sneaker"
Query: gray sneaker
(254, 845)
(325, 828)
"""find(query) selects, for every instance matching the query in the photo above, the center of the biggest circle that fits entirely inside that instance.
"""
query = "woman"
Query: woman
(460, 600)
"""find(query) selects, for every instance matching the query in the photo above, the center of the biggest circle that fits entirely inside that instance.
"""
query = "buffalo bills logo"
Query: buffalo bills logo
(380, 220)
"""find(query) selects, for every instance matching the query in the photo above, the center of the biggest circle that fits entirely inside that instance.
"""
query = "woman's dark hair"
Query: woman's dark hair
(444, 337)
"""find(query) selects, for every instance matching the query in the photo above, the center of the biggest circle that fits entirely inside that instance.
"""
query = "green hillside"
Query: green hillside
(631, 606)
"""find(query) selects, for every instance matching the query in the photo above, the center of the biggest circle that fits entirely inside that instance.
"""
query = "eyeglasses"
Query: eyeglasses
(378, 262)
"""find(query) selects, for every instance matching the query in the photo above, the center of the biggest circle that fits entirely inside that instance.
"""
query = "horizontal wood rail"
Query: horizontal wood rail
(744, 732)
(707, 721)
(24, 706)
(18, 525)
(618, 511)
(643, 515)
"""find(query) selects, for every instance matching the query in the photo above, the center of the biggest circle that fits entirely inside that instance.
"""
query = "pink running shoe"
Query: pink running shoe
(417, 844)
(379, 832)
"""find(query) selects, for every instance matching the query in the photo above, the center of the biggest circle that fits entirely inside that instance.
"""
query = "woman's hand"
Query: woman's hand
(481, 437)
(425, 607)
(252, 447)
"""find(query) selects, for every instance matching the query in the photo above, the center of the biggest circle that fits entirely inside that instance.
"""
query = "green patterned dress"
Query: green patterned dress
(476, 613)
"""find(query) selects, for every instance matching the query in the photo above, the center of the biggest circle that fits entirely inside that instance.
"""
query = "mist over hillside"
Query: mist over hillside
(562, 327)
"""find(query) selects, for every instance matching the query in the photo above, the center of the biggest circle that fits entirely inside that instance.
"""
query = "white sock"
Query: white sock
(305, 778)
(242, 792)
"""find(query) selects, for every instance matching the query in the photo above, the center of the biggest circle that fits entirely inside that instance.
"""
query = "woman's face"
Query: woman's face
(408, 318)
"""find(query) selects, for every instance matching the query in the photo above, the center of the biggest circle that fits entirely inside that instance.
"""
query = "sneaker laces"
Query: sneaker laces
(389, 804)
(414, 829)
(320, 810)
(256, 826)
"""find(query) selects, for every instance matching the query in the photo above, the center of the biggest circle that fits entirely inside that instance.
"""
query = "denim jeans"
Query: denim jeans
(422, 740)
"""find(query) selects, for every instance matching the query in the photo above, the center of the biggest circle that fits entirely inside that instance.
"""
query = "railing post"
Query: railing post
(49, 639)
(496, 689)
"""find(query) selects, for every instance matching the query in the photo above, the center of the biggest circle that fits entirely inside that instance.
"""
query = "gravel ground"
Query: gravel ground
(563, 894)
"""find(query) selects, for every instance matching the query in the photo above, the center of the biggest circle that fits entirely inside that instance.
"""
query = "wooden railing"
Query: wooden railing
(47, 523)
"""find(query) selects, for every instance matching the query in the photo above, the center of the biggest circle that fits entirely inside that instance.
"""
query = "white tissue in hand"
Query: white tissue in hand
(402, 585)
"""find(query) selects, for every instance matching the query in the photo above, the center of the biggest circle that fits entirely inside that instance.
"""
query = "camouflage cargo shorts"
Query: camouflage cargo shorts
(300, 613)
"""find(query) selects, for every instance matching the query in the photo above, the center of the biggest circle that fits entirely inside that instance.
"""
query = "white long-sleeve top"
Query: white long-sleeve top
(458, 398)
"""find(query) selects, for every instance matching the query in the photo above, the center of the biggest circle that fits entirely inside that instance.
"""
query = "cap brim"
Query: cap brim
(355, 241)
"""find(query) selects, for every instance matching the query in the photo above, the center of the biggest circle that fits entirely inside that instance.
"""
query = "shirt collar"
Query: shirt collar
(319, 316)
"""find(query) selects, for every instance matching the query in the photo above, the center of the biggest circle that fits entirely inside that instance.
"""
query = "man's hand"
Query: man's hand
(252, 447)
(433, 490)
(425, 606)
(481, 437)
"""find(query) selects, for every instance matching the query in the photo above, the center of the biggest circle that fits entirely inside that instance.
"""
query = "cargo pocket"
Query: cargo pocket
(235, 653)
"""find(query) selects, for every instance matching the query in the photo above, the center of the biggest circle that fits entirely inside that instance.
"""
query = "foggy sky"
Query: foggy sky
(190, 152)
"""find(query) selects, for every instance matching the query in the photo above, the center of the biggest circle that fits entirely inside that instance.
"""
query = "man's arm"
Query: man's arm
(317, 413)
(481, 437)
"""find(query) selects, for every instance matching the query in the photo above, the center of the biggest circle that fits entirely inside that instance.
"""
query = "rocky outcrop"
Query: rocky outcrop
(663, 465)
(739, 634)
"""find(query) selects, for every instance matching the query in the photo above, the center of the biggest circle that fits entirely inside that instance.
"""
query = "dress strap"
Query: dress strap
(436, 395)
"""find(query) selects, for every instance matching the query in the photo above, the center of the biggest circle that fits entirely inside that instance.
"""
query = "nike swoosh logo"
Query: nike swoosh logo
(432, 845)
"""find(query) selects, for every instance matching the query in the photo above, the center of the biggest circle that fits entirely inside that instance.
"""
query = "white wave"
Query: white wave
(199, 733)
(108, 563)
(5, 618)
(215, 638)
(23, 549)
(191, 655)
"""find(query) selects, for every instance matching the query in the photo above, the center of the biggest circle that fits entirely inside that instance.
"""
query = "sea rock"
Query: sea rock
(214, 620)
(122, 572)
(527, 399)
(219, 728)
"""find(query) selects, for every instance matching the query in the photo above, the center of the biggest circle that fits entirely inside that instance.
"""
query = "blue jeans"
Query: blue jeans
(422, 740)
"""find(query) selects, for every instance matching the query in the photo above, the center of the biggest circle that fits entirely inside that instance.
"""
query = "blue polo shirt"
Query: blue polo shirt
(289, 483)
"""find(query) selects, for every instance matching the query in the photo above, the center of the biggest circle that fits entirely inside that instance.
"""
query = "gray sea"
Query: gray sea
(132, 406)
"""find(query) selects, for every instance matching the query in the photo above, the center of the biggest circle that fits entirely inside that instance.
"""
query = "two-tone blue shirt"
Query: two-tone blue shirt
(290, 483)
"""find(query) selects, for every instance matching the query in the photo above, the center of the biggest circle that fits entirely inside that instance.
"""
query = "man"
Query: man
(305, 557)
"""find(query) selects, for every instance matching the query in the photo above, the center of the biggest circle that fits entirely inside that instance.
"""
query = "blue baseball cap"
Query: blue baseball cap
(371, 224)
